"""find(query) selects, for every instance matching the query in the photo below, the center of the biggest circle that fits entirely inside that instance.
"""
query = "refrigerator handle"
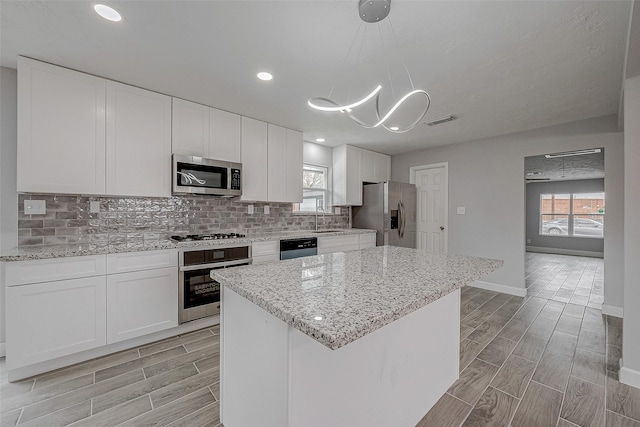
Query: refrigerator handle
(402, 219)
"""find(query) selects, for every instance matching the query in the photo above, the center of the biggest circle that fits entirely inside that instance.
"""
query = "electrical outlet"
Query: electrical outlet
(461, 210)
(266, 209)
(35, 207)
(528, 241)
(336, 210)
(250, 209)
(94, 207)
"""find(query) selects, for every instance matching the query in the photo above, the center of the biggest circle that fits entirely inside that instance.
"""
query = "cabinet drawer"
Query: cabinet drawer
(47, 270)
(337, 244)
(265, 248)
(138, 261)
(367, 240)
(265, 258)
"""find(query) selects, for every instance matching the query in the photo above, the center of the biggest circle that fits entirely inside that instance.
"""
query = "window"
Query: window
(315, 189)
(573, 214)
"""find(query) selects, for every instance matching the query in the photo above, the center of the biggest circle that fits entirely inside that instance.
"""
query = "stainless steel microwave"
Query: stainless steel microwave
(197, 175)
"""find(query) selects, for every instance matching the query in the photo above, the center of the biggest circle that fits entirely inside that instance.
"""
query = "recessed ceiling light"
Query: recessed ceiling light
(394, 128)
(320, 139)
(263, 75)
(107, 12)
(318, 318)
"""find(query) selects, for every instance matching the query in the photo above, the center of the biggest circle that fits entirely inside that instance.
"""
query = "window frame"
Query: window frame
(326, 190)
(571, 216)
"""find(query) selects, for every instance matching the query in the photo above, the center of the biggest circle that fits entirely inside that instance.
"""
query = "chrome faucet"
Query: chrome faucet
(317, 209)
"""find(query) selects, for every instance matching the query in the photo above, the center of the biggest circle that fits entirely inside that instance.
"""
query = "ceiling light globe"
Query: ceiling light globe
(107, 12)
(263, 75)
(320, 139)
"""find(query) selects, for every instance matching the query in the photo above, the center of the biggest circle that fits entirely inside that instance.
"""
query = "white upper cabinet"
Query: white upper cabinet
(277, 164)
(254, 164)
(284, 165)
(351, 167)
(225, 133)
(138, 142)
(61, 130)
(382, 167)
(294, 166)
(190, 130)
(347, 176)
(376, 167)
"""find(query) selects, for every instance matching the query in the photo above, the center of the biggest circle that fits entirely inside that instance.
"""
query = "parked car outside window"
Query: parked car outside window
(582, 227)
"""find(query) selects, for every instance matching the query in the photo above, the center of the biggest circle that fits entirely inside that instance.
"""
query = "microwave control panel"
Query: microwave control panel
(235, 179)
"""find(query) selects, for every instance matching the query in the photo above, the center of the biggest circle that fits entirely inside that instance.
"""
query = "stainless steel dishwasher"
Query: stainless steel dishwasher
(297, 248)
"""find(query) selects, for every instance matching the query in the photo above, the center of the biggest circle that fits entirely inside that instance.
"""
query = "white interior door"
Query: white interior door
(431, 183)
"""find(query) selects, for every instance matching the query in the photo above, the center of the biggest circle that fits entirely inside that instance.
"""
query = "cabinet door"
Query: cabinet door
(294, 166)
(189, 128)
(277, 164)
(347, 177)
(141, 302)
(61, 130)
(382, 167)
(138, 142)
(225, 131)
(368, 166)
(54, 319)
(254, 160)
(367, 240)
(329, 244)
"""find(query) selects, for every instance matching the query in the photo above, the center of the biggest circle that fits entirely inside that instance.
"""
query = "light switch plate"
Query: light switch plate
(94, 207)
(266, 209)
(461, 210)
(250, 209)
(35, 207)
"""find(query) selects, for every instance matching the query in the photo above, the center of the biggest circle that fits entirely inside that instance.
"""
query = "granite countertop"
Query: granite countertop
(61, 251)
(340, 297)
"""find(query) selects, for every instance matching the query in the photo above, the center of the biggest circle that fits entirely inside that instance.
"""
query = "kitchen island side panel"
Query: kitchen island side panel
(274, 375)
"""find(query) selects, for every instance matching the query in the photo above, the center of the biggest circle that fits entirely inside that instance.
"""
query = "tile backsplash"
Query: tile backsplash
(135, 221)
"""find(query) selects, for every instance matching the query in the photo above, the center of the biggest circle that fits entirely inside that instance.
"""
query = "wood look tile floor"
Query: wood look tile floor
(537, 361)
(174, 382)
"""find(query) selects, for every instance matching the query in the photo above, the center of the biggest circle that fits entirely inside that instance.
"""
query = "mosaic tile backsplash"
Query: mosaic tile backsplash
(145, 220)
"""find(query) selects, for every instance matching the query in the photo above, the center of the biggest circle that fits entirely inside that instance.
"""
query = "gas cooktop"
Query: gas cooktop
(216, 236)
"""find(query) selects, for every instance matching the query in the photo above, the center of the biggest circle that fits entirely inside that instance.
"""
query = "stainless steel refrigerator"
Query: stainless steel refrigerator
(390, 208)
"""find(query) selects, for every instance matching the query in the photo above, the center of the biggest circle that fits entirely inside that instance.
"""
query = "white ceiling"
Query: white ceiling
(500, 67)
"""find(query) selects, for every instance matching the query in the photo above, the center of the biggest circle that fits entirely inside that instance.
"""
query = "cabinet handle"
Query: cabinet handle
(441, 228)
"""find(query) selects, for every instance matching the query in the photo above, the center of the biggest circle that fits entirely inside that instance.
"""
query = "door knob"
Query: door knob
(441, 228)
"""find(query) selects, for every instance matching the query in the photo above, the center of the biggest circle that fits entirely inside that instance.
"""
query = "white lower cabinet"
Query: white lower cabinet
(54, 319)
(141, 302)
(328, 244)
(367, 240)
(265, 251)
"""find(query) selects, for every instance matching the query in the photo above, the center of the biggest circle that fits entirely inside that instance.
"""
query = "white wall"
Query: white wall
(8, 195)
(487, 177)
(316, 154)
(630, 372)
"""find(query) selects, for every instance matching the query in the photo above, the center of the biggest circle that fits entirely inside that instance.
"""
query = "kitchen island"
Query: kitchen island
(368, 337)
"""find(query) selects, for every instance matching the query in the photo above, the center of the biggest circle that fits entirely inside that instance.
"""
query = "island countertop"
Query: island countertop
(339, 297)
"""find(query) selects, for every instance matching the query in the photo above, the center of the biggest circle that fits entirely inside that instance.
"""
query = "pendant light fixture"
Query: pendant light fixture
(373, 12)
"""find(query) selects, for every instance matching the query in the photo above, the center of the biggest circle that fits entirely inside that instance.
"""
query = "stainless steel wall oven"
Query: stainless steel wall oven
(199, 294)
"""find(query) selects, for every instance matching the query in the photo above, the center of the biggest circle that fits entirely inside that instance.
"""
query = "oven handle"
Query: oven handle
(217, 264)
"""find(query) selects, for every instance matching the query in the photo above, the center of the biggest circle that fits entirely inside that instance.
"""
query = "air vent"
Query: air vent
(440, 120)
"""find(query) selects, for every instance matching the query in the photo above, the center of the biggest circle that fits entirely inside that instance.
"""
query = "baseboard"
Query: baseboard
(557, 251)
(519, 292)
(629, 376)
(612, 310)
(3, 349)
